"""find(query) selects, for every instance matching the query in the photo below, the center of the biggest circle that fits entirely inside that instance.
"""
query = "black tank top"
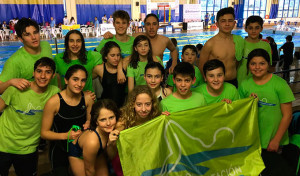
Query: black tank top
(68, 116)
(111, 88)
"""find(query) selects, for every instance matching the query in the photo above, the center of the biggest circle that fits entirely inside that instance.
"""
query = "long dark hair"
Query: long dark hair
(82, 53)
(103, 103)
(135, 58)
(106, 49)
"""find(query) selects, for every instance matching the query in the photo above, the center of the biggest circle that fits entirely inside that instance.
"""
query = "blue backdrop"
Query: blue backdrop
(39, 12)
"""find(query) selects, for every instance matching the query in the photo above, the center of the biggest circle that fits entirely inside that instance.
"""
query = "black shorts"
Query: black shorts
(23, 164)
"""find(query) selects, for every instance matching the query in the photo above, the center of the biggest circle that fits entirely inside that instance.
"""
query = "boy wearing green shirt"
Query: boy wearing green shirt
(215, 89)
(183, 98)
(253, 26)
(121, 23)
(189, 54)
(20, 122)
(17, 70)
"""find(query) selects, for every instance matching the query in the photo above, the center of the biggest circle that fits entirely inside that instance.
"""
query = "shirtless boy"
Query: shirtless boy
(223, 46)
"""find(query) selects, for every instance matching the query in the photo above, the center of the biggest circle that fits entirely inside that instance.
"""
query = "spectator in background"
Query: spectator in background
(104, 19)
(206, 19)
(12, 30)
(72, 21)
(288, 50)
(66, 20)
(52, 26)
(274, 50)
(110, 20)
(97, 31)
(212, 19)
(199, 47)
(4, 25)
(169, 63)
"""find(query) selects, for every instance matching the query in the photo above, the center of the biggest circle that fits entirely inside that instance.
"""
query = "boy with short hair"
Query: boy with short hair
(183, 98)
(215, 89)
(225, 46)
(121, 23)
(17, 70)
(20, 122)
(189, 55)
(253, 26)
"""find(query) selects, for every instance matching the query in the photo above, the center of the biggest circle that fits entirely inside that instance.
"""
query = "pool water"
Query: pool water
(7, 48)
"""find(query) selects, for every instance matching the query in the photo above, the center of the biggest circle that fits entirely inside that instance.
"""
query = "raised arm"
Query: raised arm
(19, 83)
(173, 53)
(51, 108)
(89, 103)
(204, 55)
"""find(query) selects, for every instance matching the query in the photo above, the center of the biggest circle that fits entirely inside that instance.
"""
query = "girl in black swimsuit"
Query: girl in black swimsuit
(84, 152)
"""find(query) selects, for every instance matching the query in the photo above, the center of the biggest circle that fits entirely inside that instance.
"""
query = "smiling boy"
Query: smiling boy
(215, 89)
(253, 26)
(183, 98)
(20, 123)
(17, 70)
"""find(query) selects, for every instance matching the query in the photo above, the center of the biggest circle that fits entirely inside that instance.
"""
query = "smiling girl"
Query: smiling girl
(274, 109)
(65, 109)
(141, 55)
(75, 53)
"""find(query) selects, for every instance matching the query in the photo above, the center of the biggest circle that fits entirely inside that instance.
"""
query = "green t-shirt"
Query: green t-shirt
(270, 95)
(138, 72)
(126, 47)
(229, 92)
(199, 80)
(21, 64)
(172, 104)
(93, 59)
(242, 69)
(239, 46)
(20, 122)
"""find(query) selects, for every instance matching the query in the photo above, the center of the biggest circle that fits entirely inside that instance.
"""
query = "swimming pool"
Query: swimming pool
(7, 48)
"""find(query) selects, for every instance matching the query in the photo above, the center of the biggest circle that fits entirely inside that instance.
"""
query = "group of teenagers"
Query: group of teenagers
(57, 99)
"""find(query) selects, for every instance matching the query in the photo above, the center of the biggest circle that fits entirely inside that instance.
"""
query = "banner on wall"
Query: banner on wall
(66, 28)
(194, 26)
(220, 139)
(191, 12)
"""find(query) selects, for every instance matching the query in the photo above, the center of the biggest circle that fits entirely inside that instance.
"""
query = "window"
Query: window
(255, 7)
(288, 8)
(212, 6)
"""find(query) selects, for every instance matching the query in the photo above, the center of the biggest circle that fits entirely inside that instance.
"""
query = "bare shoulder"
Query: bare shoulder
(87, 97)
(210, 42)
(90, 141)
(167, 91)
(53, 101)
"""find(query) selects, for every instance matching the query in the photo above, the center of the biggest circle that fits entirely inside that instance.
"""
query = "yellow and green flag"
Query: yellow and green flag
(220, 139)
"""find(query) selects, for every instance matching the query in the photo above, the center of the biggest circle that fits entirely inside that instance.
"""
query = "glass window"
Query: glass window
(288, 8)
(212, 6)
(255, 7)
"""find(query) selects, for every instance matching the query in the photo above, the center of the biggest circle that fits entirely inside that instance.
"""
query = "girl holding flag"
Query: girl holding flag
(274, 111)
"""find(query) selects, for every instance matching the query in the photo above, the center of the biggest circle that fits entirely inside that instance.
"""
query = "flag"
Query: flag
(220, 139)
(67, 28)
(158, 12)
(170, 13)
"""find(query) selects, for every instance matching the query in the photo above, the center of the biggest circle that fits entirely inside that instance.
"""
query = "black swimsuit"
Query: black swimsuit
(76, 151)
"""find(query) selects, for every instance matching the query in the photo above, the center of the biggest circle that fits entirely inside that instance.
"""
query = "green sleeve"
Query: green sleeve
(269, 50)
(8, 95)
(241, 91)
(170, 80)
(239, 46)
(130, 72)
(159, 60)
(162, 106)
(236, 95)
(101, 45)
(10, 69)
(96, 57)
(284, 92)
